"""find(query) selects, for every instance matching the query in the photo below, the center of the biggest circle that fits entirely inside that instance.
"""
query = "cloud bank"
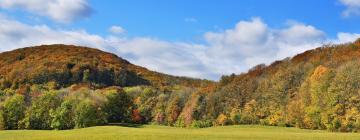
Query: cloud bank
(352, 7)
(235, 50)
(63, 11)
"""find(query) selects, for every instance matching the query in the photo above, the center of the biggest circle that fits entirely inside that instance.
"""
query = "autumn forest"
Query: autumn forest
(65, 87)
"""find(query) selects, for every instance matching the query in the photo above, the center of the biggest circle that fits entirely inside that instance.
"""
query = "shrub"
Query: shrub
(235, 116)
(222, 120)
(264, 122)
(180, 122)
(277, 119)
(336, 124)
(357, 125)
(313, 118)
(201, 123)
(136, 116)
(247, 119)
(159, 118)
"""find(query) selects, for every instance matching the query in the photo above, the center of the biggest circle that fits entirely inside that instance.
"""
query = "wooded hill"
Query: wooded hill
(317, 89)
(66, 65)
(48, 87)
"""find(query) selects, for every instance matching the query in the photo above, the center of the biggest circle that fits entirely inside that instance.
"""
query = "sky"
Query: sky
(194, 38)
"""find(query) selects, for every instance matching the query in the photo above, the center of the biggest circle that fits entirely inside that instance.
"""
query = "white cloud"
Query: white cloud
(63, 11)
(346, 37)
(352, 7)
(299, 33)
(14, 34)
(117, 29)
(245, 32)
(252, 42)
(231, 51)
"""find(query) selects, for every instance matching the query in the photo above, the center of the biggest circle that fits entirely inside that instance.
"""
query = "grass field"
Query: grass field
(149, 132)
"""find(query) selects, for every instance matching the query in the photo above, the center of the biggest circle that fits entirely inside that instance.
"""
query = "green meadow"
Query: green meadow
(151, 132)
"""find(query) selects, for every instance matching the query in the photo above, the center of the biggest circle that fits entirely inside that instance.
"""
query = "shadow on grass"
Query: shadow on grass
(127, 125)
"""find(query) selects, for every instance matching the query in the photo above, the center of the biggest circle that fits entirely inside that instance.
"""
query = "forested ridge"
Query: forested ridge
(65, 87)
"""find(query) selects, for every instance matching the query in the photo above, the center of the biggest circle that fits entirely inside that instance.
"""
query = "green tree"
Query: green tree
(87, 114)
(13, 111)
(63, 116)
(38, 115)
(118, 106)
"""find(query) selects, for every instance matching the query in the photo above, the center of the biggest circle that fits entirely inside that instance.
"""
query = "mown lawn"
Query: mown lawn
(149, 132)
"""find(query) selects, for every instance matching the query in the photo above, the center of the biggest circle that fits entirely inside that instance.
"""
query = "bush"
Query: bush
(357, 125)
(277, 119)
(313, 118)
(201, 123)
(136, 116)
(13, 111)
(222, 120)
(159, 118)
(336, 124)
(87, 114)
(180, 122)
(264, 122)
(235, 116)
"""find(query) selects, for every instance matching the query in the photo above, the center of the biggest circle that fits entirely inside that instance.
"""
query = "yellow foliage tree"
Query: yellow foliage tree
(222, 119)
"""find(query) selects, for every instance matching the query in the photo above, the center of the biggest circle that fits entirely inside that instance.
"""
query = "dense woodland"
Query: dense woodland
(65, 87)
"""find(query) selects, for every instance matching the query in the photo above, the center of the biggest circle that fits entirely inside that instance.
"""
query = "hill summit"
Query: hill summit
(68, 64)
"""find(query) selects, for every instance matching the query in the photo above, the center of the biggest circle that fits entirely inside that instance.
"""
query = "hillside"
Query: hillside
(317, 89)
(67, 65)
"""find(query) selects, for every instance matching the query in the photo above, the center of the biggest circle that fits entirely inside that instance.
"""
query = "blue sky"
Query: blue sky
(167, 19)
(202, 38)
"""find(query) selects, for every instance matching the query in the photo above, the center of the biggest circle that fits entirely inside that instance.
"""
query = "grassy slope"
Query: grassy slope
(170, 133)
